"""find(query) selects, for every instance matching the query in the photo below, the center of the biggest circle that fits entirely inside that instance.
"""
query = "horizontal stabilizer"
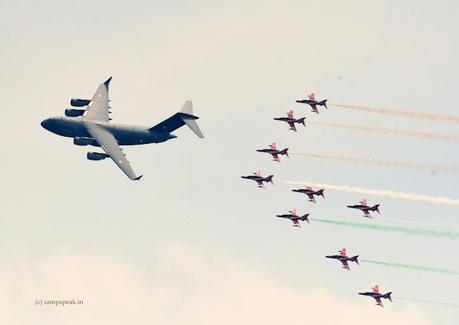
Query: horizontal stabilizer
(189, 118)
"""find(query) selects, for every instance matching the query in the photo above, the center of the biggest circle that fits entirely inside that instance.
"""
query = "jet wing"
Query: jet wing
(378, 301)
(311, 198)
(275, 156)
(292, 126)
(345, 265)
(108, 142)
(314, 108)
(98, 108)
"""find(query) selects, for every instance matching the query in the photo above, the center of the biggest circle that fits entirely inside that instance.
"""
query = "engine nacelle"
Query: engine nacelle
(84, 141)
(77, 102)
(96, 156)
(72, 112)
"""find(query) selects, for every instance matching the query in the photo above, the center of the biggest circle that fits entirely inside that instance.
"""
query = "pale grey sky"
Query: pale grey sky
(192, 242)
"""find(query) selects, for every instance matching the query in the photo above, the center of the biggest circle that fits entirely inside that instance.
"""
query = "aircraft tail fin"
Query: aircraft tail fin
(189, 119)
(355, 259)
(284, 152)
(387, 296)
(305, 217)
(321, 193)
(270, 179)
(185, 116)
(376, 208)
(323, 103)
(301, 121)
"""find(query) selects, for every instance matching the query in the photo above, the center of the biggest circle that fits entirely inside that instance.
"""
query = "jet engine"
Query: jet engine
(71, 112)
(96, 156)
(84, 141)
(77, 102)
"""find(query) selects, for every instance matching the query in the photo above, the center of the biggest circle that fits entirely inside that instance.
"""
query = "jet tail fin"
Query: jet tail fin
(355, 259)
(301, 121)
(387, 296)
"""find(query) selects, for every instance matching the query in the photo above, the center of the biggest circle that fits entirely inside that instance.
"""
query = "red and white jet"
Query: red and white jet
(292, 215)
(310, 193)
(273, 151)
(259, 179)
(377, 295)
(344, 259)
(311, 101)
(365, 208)
(291, 120)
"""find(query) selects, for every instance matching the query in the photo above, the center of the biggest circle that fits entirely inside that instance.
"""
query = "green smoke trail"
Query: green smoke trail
(415, 267)
(437, 303)
(406, 230)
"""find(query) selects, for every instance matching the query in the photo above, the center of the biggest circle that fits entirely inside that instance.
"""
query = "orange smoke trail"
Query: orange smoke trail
(402, 113)
(386, 163)
(406, 133)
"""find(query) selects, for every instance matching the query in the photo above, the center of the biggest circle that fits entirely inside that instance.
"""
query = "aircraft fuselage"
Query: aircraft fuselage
(75, 127)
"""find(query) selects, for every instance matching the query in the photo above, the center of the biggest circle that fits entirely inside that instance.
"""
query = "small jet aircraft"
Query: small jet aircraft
(365, 208)
(344, 259)
(92, 125)
(310, 193)
(311, 101)
(274, 152)
(292, 215)
(291, 120)
(377, 295)
(259, 179)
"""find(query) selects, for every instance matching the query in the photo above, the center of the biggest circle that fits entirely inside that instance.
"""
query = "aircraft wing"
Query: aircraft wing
(314, 108)
(378, 301)
(345, 265)
(296, 223)
(108, 142)
(311, 198)
(98, 108)
(292, 126)
(275, 156)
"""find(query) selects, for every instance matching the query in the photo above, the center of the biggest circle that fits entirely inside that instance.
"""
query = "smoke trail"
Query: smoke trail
(406, 133)
(405, 230)
(437, 303)
(387, 163)
(402, 113)
(415, 267)
(384, 193)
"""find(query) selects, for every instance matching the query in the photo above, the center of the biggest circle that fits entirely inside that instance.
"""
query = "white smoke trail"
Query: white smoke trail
(383, 193)
(387, 163)
(386, 131)
(402, 113)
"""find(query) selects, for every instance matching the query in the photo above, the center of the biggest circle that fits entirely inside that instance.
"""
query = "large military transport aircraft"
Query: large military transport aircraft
(90, 124)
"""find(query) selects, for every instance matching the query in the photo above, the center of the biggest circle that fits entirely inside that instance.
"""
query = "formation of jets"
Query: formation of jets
(90, 124)
(311, 193)
(365, 208)
(273, 151)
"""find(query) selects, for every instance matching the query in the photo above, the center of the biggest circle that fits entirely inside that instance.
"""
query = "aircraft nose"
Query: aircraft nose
(46, 124)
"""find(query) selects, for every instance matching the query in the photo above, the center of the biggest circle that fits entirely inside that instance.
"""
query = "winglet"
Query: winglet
(107, 82)
(138, 178)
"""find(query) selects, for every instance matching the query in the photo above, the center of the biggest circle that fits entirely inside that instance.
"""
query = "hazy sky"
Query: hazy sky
(192, 242)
